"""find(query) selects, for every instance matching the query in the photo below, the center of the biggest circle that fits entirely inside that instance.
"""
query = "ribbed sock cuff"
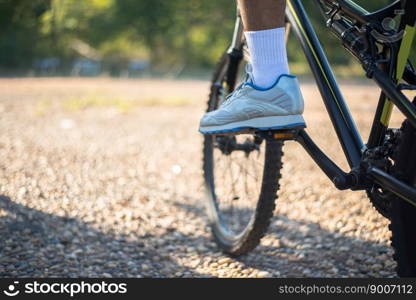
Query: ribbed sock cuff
(267, 46)
(268, 55)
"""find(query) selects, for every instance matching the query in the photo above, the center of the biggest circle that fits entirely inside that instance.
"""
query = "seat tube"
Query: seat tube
(238, 33)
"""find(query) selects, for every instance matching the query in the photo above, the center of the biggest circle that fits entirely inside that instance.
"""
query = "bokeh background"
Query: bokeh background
(180, 38)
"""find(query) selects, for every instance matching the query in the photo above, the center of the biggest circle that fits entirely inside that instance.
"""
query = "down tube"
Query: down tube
(345, 128)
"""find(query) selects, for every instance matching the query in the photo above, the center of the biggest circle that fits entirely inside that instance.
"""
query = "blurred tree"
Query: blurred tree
(173, 34)
(20, 23)
(180, 31)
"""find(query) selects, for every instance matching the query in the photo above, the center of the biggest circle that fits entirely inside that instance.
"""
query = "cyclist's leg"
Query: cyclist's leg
(264, 22)
(262, 14)
(266, 100)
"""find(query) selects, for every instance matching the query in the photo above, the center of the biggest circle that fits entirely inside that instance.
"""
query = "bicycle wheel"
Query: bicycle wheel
(241, 174)
(403, 214)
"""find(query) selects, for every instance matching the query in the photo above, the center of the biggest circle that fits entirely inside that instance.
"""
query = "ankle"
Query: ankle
(266, 76)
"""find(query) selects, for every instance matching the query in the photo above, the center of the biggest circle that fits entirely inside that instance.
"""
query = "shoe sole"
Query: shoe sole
(263, 123)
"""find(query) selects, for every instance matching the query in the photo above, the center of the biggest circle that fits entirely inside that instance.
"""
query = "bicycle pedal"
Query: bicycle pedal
(275, 134)
(281, 134)
(232, 133)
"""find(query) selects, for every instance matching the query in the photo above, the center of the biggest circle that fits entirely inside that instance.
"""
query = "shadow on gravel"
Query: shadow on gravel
(38, 244)
(300, 248)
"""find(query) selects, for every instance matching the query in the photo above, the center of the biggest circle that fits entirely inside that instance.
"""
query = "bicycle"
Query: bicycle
(385, 167)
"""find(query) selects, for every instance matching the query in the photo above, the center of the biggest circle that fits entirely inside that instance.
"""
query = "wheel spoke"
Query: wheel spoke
(237, 179)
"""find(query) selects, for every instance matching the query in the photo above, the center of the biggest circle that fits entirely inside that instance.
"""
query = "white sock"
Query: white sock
(268, 55)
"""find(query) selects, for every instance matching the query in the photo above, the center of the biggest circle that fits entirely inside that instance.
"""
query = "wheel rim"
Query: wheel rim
(236, 173)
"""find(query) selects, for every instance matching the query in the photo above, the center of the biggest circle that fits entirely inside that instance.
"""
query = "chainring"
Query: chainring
(382, 199)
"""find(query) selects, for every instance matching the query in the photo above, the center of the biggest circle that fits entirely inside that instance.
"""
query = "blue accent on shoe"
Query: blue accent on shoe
(273, 85)
(288, 126)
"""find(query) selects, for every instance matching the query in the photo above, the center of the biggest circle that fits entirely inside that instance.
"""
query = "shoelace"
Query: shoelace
(237, 91)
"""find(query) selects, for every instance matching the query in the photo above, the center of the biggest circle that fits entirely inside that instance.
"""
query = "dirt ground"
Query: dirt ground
(102, 177)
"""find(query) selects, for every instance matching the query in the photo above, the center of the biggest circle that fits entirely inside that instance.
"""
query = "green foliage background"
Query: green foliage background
(186, 34)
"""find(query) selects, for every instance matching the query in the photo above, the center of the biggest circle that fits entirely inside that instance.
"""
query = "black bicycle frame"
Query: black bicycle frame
(337, 108)
(339, 113)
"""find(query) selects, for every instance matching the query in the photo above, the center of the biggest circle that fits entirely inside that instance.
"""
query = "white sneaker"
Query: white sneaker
(251, 107)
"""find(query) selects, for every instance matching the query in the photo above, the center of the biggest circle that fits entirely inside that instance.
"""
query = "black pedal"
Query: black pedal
(274, 134)
(281, 134)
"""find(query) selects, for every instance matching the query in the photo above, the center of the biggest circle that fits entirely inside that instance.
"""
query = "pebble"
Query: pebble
(263, 274)
(224, 261)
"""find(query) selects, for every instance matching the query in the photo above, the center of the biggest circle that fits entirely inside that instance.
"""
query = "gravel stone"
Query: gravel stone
(116, 190)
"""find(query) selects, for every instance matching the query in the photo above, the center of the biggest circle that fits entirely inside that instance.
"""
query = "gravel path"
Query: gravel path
(92, 186)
